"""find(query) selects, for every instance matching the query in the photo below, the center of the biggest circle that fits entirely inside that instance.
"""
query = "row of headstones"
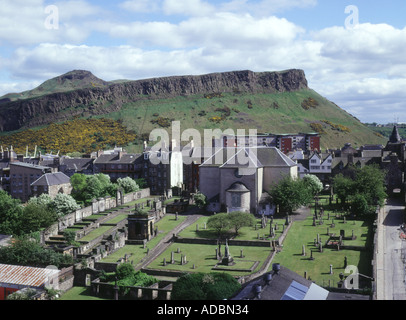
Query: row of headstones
(331, 268)
(183, 259)
(319, 217)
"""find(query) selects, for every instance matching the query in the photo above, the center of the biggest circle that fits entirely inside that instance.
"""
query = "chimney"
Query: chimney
(268, 278)
(276, 267)
(258, 290)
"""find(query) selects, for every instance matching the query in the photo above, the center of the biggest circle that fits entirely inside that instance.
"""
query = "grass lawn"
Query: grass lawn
(303, 233)
(245, 233)
(79, 293)
(203, 256)
(137, 252)
(96, 233)
(117, 219)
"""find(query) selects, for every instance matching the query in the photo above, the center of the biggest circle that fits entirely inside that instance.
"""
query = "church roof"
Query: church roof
(238, 187)
(395, 136)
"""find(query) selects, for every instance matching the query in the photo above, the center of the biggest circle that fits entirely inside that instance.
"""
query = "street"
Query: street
(392, 254)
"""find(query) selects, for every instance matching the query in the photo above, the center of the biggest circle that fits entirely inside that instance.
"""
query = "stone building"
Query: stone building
(240, 179)
(22, 175)
(51, 184)
(163, 168)
(119, 165)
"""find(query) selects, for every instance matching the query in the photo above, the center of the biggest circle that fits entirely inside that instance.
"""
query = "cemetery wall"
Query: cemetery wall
(99, 205)
(135, 293)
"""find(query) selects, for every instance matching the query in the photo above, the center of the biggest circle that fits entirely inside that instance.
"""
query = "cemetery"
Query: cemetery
(319, 246)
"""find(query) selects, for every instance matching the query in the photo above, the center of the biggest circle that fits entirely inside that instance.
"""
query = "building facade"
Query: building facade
(22, 175)
(241, 179)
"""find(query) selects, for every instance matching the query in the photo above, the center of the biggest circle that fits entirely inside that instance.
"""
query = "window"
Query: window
(313, 161)
(235, 200)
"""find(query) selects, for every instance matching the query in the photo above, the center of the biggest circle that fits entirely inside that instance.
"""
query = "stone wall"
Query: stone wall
(98, 205)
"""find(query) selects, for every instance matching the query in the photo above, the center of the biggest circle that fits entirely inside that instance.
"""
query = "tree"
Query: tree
(290, 194)
(359, 205)
(79, 184)
(64, 204)
(200, 200)
(238, 219)
(25, 251)
(37, 216)
(142, 183)
(313, 183)
(220, 223)
(10, 214)
(205, 286)
(370, 182)
(43, 199)
(343, 187)
(127, 184)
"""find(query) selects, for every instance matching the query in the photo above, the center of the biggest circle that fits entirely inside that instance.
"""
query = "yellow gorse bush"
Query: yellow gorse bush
(78, 135)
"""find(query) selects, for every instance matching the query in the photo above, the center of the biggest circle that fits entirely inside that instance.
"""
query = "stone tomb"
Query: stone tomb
(141, 227)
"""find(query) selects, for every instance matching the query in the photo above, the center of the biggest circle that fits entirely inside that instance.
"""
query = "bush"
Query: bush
(205, 286)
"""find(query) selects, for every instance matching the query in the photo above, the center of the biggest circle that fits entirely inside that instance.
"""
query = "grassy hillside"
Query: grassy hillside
(289, 112)
(77, 79)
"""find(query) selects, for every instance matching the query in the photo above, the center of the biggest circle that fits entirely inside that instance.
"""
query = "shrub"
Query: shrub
(205, 286)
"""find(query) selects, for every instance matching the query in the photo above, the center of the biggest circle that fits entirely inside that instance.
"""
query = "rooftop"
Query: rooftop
(52, 179)
(25, 276)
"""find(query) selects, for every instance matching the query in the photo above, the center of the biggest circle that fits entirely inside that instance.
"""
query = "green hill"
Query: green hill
(268, 113)
(277, 102)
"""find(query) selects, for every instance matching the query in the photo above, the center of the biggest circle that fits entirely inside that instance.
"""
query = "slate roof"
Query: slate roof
(77, 164)
(288, 285)
(52, 179)
(238, 187)
(29, 165)
(115, 158)
(255, 157)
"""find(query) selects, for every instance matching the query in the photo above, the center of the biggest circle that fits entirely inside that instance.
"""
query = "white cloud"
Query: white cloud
(220, 30)
(188, 7)
(141, 6)
(25, 23)
(361, 69)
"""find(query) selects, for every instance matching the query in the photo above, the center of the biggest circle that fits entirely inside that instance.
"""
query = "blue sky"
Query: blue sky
(354, 58)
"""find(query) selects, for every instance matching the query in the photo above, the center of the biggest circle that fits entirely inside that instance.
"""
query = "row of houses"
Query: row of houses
(221, 171)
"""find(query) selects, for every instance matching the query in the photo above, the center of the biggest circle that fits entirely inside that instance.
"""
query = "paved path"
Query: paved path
(391, 273)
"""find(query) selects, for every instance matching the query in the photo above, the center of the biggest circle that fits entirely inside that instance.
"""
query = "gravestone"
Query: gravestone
(227, 259)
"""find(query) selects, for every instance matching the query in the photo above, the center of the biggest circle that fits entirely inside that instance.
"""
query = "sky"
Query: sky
(352, 52)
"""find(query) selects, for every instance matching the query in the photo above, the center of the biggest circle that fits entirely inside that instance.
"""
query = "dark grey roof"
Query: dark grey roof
(238, 187)
(29, 165)
(115, 158)
(275, 289)
(395, 136)
(52, 179)
(288, 285)
(77, 164)
(255, 157)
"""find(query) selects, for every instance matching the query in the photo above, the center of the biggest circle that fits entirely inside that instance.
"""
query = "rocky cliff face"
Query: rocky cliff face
(102, 100)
